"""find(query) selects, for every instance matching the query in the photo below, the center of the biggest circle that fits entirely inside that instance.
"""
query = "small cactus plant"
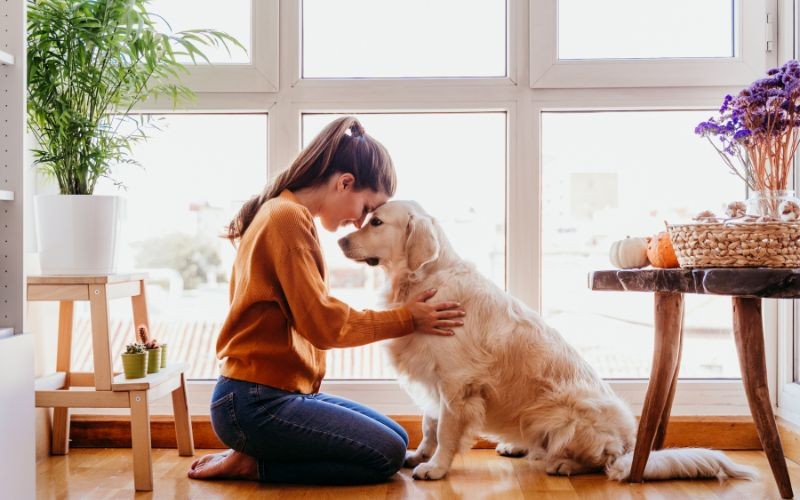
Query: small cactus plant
(143, 335)
(134, 360)
(153, 349)
(134, 348)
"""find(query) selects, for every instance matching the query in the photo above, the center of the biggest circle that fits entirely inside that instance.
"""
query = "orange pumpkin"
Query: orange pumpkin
(660, 251)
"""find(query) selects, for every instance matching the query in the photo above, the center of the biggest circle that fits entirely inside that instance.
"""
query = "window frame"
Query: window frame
(261, 74)
(787, 351)
(523, 100)
(547, 71)
(292, 14)
(788, 400)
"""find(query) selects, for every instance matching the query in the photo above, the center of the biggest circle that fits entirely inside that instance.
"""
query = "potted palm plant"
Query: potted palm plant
(89, 63)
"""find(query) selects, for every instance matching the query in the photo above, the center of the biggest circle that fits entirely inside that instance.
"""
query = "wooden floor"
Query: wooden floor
(106, 473)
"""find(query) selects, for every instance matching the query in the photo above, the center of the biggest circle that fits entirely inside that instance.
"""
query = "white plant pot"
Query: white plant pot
(77, 234)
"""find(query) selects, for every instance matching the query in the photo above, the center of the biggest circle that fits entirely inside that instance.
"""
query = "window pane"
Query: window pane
(796, 343)
(196, 174)
(403, 38)
(632, 172)
(231, 16)
(633, 29)
(463, 188)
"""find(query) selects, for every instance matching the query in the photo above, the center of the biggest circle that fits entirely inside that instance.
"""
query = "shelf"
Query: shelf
(6, 58)
(6, 195)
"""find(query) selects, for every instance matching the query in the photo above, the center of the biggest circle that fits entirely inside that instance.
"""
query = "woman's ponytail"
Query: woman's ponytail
(332, 150)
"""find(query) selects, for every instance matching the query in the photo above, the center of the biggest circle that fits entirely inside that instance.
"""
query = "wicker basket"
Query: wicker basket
(737, 244)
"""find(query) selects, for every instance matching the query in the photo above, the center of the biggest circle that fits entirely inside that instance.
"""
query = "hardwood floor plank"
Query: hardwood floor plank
(106, 473)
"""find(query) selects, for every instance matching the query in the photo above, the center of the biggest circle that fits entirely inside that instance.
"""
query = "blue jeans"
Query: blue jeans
(306, 438)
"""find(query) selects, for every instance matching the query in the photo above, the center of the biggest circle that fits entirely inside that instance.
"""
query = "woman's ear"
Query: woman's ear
(345, 181)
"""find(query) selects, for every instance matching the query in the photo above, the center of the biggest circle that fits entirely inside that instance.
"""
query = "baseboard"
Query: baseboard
(722, 433)
(790, 438)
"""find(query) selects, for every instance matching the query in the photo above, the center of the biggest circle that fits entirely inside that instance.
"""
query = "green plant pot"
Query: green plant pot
(134, 365)
(163, 355)
(154, 360)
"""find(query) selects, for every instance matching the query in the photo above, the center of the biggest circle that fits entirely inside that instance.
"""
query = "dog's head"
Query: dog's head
(399, 232)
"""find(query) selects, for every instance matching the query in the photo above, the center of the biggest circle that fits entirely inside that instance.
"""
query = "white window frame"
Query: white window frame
(523, 104)
(261, 74)
(291, 16)
(787, 386)
(547, 71)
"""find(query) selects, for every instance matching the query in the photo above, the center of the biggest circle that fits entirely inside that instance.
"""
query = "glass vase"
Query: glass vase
(766, 202)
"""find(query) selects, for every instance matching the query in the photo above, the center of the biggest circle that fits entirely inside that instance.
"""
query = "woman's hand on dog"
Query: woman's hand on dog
(436, 318)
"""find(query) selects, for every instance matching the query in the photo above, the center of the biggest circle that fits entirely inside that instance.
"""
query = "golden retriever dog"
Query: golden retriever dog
(505, 375)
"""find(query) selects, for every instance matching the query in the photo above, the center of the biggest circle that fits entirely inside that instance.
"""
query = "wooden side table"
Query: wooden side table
(66, 389)
(747, 286)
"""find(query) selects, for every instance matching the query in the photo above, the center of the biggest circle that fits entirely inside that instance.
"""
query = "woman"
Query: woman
(266, 405)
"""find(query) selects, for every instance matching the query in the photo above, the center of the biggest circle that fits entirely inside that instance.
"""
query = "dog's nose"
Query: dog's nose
(344, 243)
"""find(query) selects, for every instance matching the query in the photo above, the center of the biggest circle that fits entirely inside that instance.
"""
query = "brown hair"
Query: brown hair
(332, 151)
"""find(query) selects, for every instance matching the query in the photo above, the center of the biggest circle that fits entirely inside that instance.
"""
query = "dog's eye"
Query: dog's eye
(375, 222)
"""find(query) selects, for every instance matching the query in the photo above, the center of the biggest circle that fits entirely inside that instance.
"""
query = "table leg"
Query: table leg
(661, 434)
(140, 441)
(666, 358)
(60, 437)
(139, 306)
(101, 349)
(749, 334)
(183, 422)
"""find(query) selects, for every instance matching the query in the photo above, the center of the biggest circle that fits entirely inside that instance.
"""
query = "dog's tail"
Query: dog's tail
(682, 463)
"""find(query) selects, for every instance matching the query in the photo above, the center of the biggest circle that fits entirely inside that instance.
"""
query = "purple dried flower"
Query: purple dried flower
(757, 125)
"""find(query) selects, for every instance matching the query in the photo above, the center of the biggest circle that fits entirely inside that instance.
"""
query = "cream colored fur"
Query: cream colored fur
(505, 375)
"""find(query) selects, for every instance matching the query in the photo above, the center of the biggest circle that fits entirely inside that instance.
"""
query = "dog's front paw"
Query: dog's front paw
(414, 458)
(509, 450)
(429, 471)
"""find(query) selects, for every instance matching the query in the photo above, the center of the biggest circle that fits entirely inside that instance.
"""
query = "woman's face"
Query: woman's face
(344, 205)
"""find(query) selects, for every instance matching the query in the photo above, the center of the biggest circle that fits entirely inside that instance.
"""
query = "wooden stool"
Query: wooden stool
(66, 389)
(746, 286)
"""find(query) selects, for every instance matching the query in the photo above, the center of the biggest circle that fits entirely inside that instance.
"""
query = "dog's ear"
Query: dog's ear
(422, 245)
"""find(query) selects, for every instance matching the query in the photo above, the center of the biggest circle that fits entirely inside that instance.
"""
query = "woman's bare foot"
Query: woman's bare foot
(227, 465)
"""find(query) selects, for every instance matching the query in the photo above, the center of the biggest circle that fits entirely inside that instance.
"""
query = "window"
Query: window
(195, 174)
(254, 23)
(623, 181)
(539, 167)
(651, 43)
(403, 38)
(234, 20)
(635, 29)
(432, 169)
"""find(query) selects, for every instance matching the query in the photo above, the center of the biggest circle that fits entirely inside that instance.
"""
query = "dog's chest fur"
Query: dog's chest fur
(428, 364)
(417, 357)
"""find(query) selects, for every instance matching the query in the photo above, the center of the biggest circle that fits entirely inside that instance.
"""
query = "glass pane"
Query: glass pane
(403, 38)
(463, 188)
(645, 29)
(796, 343)
(632, 172)
(231, 16)
(195, 175)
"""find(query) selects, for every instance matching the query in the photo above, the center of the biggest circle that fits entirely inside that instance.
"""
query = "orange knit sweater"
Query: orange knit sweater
(281, 317)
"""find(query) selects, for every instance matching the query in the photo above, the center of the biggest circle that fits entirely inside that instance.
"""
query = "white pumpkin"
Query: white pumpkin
(629, 253)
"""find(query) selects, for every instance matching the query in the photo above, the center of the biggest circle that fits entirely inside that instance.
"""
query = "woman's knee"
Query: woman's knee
(225, 423)
(393, 453)
(404, 436)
